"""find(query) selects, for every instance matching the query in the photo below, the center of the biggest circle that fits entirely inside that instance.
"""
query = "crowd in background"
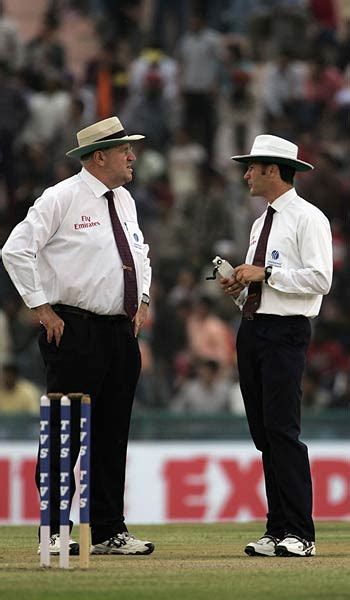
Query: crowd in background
(200, 79)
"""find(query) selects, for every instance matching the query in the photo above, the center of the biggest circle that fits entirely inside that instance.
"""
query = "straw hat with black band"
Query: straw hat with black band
(103, 134)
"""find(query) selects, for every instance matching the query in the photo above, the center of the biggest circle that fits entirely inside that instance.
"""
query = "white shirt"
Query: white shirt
(199, 54)
(299, 249)
(65, 252)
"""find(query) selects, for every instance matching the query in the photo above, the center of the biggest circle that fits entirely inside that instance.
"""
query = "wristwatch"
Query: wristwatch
(145, 299)
(268, 271)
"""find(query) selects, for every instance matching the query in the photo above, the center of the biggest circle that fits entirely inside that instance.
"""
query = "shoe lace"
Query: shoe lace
(126, 536)
(53, 538)
(117, 540)
(269, 537)
(295, 537)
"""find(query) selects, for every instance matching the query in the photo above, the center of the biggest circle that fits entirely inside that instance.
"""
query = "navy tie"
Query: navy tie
(130, 283)
(253, 300)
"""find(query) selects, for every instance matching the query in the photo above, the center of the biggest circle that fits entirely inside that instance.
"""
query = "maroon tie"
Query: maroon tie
(253, 300)
(130, 283)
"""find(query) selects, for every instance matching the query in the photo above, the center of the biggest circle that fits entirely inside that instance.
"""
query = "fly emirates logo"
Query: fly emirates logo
(86, 222)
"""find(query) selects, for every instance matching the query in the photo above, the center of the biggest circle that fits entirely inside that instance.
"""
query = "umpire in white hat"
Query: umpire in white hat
(80, 262)
(279, 289)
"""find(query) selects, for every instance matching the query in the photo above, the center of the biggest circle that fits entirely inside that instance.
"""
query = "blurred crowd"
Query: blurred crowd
(200, 79)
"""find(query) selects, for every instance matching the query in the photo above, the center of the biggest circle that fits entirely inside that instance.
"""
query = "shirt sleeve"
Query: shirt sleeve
(314, 276)
(20, 250)
(147, 271)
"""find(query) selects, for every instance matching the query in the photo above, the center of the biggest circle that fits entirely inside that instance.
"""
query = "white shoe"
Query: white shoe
(293, 545)
(123, 543)
(265, 546)
(55, 546)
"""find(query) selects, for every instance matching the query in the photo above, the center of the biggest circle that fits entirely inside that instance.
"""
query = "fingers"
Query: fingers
(225, 282)
(49, 334)
(231, 286)
(234, 290)
(58, 333)
(52, 322)
(138, 322)
(140, 318)
(240, 272)
(245, 274)
(136, 328)
(54, 331)
(241, 279)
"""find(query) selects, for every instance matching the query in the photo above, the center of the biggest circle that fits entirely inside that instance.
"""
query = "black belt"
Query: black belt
(268, 317)
(86, 314)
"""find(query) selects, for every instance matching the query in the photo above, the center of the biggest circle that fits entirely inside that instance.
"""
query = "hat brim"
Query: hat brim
(298, 165)
(81, 151)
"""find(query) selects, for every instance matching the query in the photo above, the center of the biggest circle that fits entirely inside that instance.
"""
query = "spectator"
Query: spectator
(11, 45)
(198, 54)
(326, 187)
(23, 329)
(149, 112)
(74, 121)
(282, 90)
(5, 339)
(209, 337)
(238, 104)
(208, 213)
(13, 116)
(49, 106)
(208, 392)
(106, 76)
(322, 83)
(185, 158)
(326, 19)
(154, 56)
(315, 396)
(185, 288)
(327, 357)
(17, 395)
(45, 52)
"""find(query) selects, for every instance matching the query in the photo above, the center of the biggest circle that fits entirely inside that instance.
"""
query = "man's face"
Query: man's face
(118, 163)
(257, 178)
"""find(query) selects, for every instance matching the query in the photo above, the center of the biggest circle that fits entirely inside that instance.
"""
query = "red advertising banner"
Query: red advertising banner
(169, 482)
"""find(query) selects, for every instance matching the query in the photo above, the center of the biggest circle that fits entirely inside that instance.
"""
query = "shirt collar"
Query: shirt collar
(282, 201)
(96, 186)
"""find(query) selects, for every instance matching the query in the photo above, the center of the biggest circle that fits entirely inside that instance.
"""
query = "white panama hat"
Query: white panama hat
(103, 134)
(273, 149)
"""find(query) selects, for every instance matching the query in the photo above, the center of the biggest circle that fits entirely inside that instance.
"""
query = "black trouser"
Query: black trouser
(98, 356)
(271, 354)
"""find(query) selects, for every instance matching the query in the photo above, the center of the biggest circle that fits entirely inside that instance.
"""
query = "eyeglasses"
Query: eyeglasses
(127, 150)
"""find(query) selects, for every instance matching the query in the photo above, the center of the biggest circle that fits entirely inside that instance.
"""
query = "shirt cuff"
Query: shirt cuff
(271, 279)
(34, 300)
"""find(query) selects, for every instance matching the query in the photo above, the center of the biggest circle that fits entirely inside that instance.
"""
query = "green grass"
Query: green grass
(190, 562)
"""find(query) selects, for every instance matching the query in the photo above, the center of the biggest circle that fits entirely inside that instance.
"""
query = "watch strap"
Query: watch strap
(268, 272)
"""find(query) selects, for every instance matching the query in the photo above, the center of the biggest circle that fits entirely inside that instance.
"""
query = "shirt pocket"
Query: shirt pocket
(277, 252)
(135, 236)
